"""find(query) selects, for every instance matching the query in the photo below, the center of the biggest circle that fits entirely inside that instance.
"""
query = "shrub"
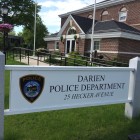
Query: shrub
(75, 59)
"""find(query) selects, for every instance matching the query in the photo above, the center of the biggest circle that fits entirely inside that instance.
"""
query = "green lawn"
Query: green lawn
(92, 123)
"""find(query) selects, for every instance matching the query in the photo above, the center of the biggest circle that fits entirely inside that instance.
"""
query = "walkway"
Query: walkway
(33, 61)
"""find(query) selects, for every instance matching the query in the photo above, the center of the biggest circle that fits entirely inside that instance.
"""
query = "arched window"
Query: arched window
(72, 31)
(123, 14)
(90, 16)
(104, 15)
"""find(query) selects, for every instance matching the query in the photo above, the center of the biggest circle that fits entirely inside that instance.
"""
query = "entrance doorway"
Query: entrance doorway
(70, 46)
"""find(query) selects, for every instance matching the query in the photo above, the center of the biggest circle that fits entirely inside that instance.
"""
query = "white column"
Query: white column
(132, 110)
(2, 65)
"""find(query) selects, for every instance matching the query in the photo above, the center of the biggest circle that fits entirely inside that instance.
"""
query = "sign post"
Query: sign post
(132, 109)
(2, 65)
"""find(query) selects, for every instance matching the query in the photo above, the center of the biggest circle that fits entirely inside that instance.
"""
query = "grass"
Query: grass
(91, 123)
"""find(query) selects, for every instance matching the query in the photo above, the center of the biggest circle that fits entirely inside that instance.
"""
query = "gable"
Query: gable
(69, 23)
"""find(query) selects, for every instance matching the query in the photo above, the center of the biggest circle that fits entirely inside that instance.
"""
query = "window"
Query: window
(90, 16)
(123, 14)
(104, 15)
(71, 31)
(96, 45)
(57, 46)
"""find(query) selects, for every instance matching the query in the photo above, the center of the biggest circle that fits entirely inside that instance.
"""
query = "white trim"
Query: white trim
(135, 24)
(51, 38)
(99, 44)
(118, 52)
(63, 68)
(71, 27)
(99, 6)
(70, 48)
(82, 36)
(122, 14)
(115, 35)
(66, 23)
(77, 25)
(9, 112)
(130, 36)
(103, 35)
(56, 45)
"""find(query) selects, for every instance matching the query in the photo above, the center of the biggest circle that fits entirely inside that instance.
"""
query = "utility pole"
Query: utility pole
(35, 29)
(93, 24)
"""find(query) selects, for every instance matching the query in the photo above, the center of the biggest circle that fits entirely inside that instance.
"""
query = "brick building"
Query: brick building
(116, 30)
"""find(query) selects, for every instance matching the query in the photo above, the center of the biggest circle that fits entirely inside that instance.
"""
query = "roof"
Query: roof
(100, 5)
(103, 26)
(112, 26)
(84, 23)
(52, 35)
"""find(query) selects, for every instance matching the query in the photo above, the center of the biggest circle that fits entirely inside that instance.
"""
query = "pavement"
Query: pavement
(33, 61)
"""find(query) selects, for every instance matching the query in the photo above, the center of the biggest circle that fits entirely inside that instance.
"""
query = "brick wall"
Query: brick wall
(125, 48)
(51, 45)
(126, 57)
(133, 13)
(81, 46)
(62, 46)
(128, 45)
(109, 56)
(109, 44)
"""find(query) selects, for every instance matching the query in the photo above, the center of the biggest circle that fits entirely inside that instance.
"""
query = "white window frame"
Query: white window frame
(56, 45)
(98, 46)
(89, 45)
(123, 14)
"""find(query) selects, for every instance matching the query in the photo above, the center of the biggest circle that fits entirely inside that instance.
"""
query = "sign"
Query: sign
(2, 69)
(50, 88)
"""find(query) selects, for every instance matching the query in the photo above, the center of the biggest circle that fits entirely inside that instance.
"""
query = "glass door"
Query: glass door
(70, 46)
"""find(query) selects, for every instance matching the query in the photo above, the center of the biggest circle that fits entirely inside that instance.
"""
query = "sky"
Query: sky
(50, 9)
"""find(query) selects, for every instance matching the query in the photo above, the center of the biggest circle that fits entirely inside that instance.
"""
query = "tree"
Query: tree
(41, 32)
(21, 12)
(20, 34)
(12, 33)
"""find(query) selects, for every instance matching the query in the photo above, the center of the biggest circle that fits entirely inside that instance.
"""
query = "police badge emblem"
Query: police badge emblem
(31, 86)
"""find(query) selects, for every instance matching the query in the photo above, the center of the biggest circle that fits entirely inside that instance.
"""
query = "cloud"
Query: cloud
(51, 10)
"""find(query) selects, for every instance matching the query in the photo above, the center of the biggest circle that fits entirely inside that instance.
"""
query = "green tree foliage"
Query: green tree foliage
(41, 32)
(21, 12)
(20, 34)
(12, 33)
